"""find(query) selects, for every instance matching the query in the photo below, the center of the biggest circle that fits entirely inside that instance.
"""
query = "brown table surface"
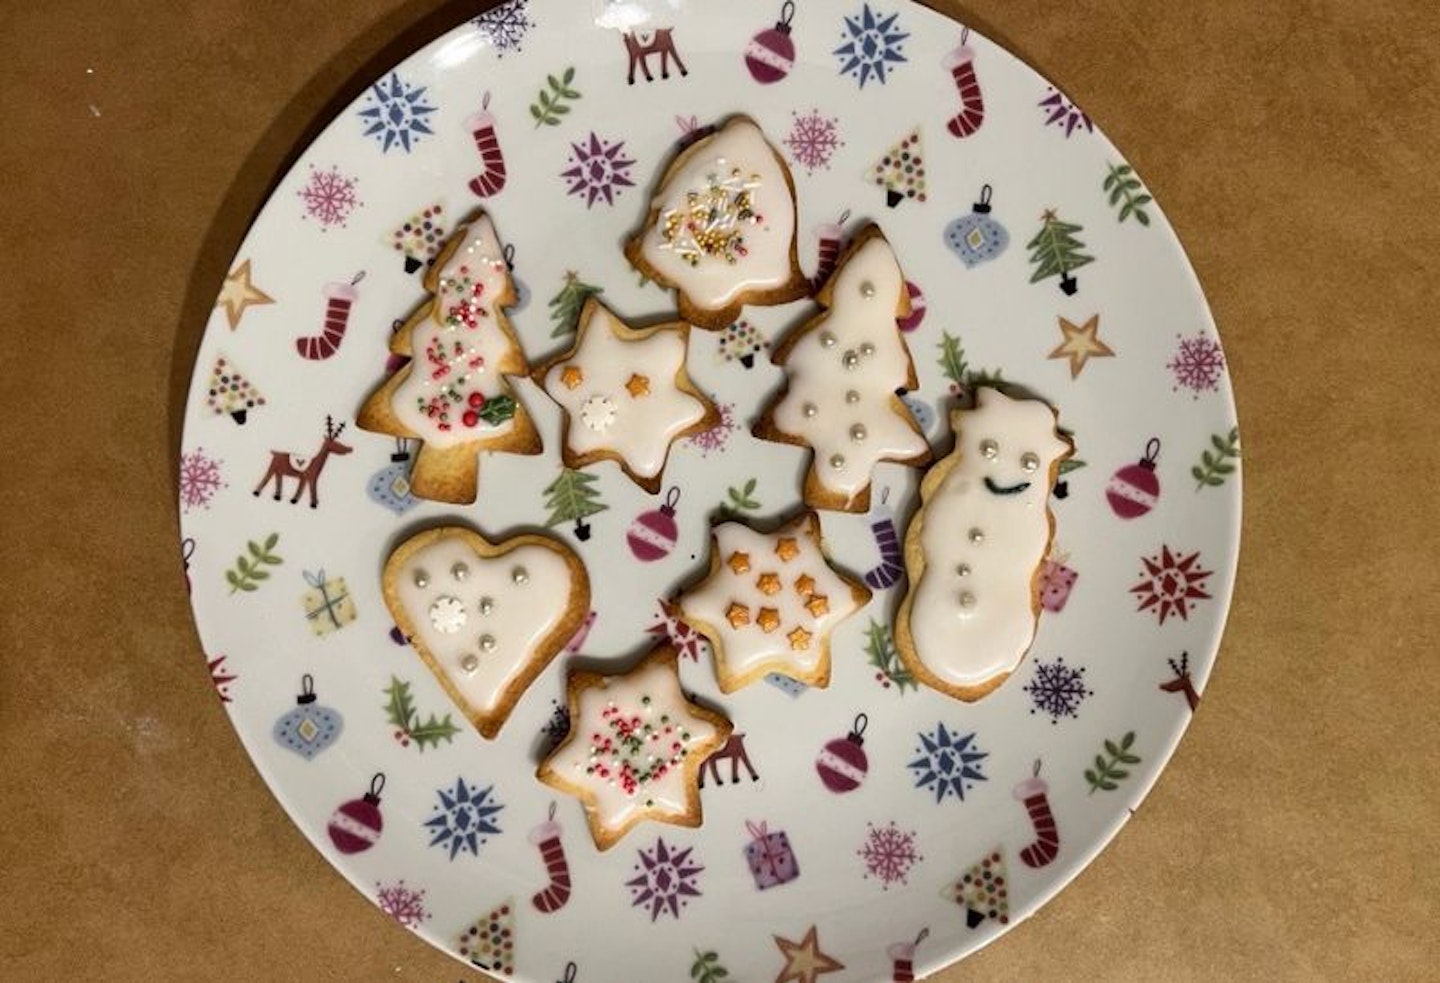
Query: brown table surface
(1294, 836)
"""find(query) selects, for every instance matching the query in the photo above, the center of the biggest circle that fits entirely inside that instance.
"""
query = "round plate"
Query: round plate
(1071, 285)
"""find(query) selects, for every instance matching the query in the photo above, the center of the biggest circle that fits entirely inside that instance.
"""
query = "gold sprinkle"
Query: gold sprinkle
(799, 639)
(817, 605)
(768, 583)
(737, 614)
(571, 377)
(768, 619)
(804, 585)
(787, 548)
(638, 385)
(739, 562)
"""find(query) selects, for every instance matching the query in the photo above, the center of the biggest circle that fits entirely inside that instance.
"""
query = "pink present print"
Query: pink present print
(1056, 580)
(770, 858)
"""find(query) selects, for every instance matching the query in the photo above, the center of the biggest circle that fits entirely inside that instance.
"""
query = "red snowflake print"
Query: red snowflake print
(715, 439)
(221, 677)
(1169, 585)
(199, 479)
(405, 905)
(329, 197)
(813, 140)
(1198, 364)
(889, 853)
(669, 625)
(598, 169)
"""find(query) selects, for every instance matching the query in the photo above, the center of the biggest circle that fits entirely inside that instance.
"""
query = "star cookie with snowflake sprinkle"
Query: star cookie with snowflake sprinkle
(770, 603)
(635, 747)
(626, 394)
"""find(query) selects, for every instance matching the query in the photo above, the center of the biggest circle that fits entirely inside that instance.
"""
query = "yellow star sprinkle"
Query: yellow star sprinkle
(817, 605)
(804, 585)
(572, 376)
(799, 639)
(787, 549)
(737, 614)
(768, 619)
(739, 562)
(638, 385)
(768, 583)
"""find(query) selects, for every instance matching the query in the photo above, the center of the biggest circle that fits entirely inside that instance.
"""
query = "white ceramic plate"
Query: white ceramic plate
(1146, 537)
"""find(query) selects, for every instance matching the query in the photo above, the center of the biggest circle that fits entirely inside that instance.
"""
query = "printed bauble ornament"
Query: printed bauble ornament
(355, 826)
(309, 728)
(1135, 488)
(390, 486)
(842, 763)
(653, 534)
(770, 55)
(912, 320)
(922, 411)
(977, 238)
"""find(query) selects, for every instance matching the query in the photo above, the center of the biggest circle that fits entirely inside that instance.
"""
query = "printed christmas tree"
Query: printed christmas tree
(1055, 251)
(230, 392)
(565, 306)
(420, 237)
(983, 891)
(901, 172)
(570, 498)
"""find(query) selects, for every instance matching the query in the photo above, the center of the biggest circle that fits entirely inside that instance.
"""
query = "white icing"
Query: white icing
(518, 619)
(818, 377)
(967, 646)
(481, 260)
(604, 414)
(746, 647)
(623, 696)
(739, 149)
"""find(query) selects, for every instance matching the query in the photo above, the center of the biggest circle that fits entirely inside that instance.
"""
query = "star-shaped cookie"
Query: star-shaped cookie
(770, 603)
(626, 394)
(635, 747)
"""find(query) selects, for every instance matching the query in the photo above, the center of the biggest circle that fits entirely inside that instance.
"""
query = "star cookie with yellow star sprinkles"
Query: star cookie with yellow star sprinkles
(770, 603)
(635, 747)
(626, 394)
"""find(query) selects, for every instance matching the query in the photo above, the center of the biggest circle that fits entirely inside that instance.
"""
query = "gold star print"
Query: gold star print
(817, 605)
(638, 385)
(787, 549)
(768, 619)
(571, 376)
(739, 562)
(240, 292)
(799, 639)
(768, 583)
(737, 614)
(804, 585)
(1081, 344)
(804, 962)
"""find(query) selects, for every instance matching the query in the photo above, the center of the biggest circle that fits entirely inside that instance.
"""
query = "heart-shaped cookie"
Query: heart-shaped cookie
(486, 617)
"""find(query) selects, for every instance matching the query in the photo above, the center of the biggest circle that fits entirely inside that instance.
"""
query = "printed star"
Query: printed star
(638, 385)
(572, 376)
(1081, 344)
(804, 962)
(240, 292)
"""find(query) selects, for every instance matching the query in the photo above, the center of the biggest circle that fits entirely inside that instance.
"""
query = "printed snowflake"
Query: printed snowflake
(558, 726)
(395, 113)
(1198, 364)
(872, 46)
(199, 479)
(1057, 689)
(221, 677)
(948, 763)
(505, 26)
(329, 196)
(1171, 585)
(813, 140)
(889, 853)
(462, 818)
(666, 880)
(717, 436)
(598, 169)
(1060, 111)
(687, 641)
(405, 905)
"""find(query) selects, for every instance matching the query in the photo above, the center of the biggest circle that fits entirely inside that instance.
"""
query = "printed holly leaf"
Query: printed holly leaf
(1070, 464)
(952, 358)
(433, 731)
(400, 708)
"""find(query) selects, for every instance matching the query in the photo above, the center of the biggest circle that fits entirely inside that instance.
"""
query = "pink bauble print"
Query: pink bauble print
(1135, 488)
(842, 764)
(653, 534)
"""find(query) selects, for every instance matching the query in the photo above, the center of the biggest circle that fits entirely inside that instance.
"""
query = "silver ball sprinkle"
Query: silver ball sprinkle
(520, 576)
(422, 579)
(851, 360)
(977, 535)
(963, 570)
(459, 571)
(809, 410)
(989, 449)
(470, 663)
(867, 289)
(967, 600)
(852, 397)
(1029, 462)
(487, 604)
(858, 432)
(837, 461)
(487, 643)
(827, 340)
(867, 349)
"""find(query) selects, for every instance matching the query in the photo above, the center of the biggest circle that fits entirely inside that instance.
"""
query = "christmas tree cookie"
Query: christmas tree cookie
(975, 549)
(635, 747)
(721, 227)
(486, 617)
(770, 603)
(842, 371)
(454, 394)
(626, 394)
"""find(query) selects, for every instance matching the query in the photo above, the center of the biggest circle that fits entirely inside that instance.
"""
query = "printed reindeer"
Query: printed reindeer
(733, 752)
(284, 465)
(640, 45)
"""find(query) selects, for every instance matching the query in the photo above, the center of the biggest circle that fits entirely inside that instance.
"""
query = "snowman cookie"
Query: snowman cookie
(626, 394)
(843, 370)
(721, 227)
(635, 747)
(770, 603)
(486, 617)
(455, 393)
(975, 548)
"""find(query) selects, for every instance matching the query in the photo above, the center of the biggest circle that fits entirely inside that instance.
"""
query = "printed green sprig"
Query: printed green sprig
(1122, 183)
(551, 104)
(250, 569)
(707, 968)
(1107, 772)
(1214, 468)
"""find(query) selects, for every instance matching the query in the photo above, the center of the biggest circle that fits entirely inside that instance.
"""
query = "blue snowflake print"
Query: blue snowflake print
(598, 169)
(395, 113)
(1057, 689)
(665, 881)
(948, 763)
(873, 45)
(462, 818)
(505, 26)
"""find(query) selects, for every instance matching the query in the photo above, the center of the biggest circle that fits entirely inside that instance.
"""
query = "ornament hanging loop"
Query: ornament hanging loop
(551, 816)
(187, 549)
(672, 498)
(307, 685)
(1036, 772)
(377, 784)
(509, 255)
(570, 970)
(485, 100)
(861, 722)
(1152, 451)
(964, 34)
(787, 14)
(985, 191)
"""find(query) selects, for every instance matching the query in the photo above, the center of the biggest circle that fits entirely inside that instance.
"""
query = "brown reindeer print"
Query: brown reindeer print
(734, 752)
(283, 464)
(640, 45)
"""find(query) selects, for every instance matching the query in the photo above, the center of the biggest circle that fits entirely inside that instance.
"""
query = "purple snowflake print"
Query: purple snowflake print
(948, 763)
(1198, 364)
(598, 169)
(813, 140)
(873, 45)
(395, 113)
(463, 818)
(665, 880)
(404, 904)
(1057, 689)
(714, 440)
(1063, 113)
(505, 26)
(889, 853)
(329, 196)
(199, 479)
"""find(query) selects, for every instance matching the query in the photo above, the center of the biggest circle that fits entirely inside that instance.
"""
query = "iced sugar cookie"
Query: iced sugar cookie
(721, 227)
(486, 617)
(842, 371)
(770, 603)
(626, 394)
(454, 393)
(974, 549)
(635, 748)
